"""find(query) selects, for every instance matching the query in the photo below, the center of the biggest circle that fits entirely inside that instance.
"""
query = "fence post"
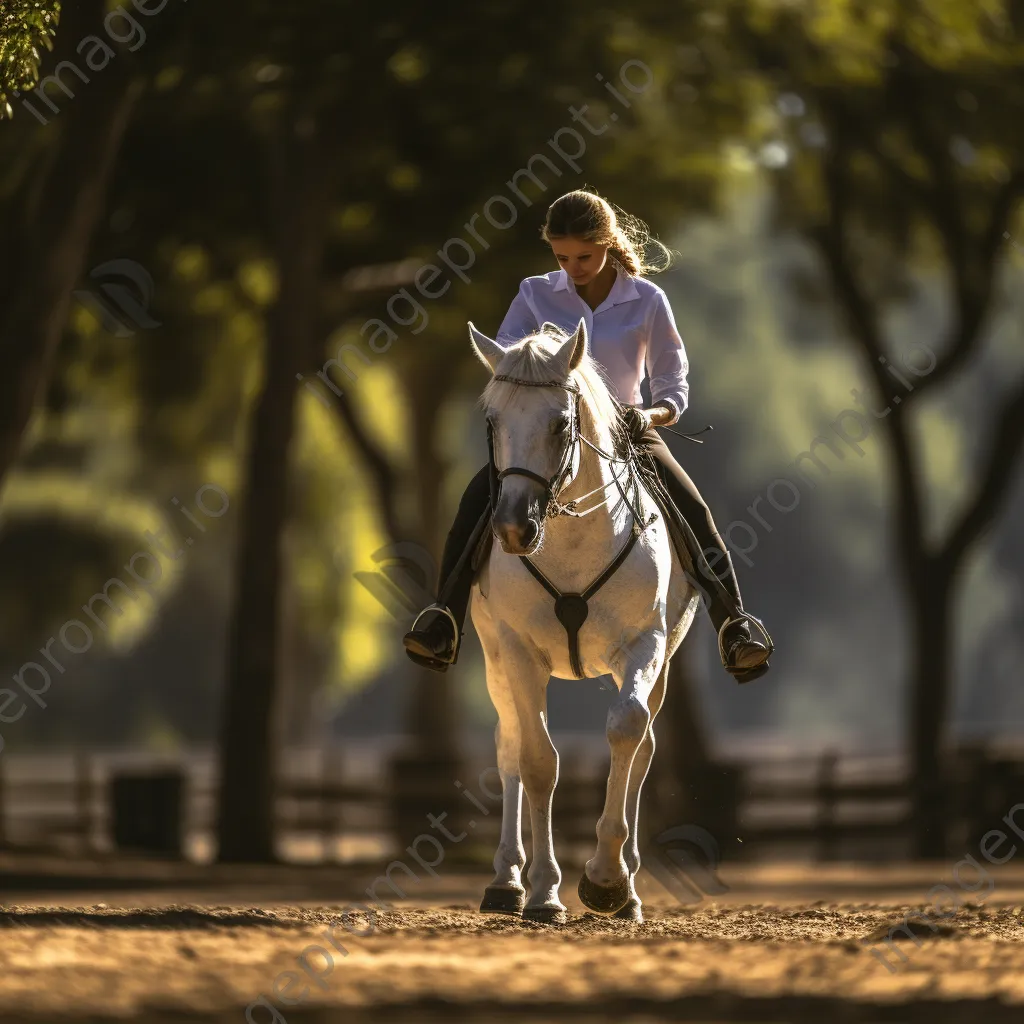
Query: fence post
(826, 797)
(3, 802)
(83, 799)
(332, 819)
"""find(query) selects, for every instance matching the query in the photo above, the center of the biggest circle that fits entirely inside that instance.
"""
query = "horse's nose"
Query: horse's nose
(517, 538)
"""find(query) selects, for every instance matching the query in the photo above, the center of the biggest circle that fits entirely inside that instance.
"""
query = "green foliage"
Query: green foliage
(25, 27)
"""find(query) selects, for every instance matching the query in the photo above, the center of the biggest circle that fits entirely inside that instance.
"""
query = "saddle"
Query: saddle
(682, 536)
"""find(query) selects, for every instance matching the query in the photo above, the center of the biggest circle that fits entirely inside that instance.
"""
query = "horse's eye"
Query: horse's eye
(560, 425)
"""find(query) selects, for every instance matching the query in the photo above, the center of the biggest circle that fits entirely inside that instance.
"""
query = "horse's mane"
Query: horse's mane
(532, 360)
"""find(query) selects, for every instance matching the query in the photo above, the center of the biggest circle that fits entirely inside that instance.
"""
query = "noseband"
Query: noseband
(552, 485)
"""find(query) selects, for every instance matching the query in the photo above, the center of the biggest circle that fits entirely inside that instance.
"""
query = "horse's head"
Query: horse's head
(532, 406)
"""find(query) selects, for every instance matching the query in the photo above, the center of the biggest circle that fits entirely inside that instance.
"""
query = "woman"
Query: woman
(630, 324)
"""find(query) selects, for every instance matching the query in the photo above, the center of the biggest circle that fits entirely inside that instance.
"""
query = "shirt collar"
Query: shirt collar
(624, 289)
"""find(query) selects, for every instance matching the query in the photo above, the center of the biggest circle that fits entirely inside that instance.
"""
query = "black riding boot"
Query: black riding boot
(436, 635)
(744, 658)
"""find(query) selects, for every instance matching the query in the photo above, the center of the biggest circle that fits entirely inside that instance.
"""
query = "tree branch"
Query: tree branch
(833, 241)
(995, 481)
(971, 261)
(382, 473)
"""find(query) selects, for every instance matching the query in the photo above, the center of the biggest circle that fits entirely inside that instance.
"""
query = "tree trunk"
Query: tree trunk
(928, 710)
(433, 712)
(424, 773)
(51, 240)
(248, 755)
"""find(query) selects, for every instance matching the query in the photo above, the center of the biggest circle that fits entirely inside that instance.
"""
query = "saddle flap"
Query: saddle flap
(651, 471)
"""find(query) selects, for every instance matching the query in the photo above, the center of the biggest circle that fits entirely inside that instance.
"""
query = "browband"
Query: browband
(565, 385)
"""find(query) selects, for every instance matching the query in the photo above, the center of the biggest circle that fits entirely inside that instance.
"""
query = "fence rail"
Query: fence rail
(827, 807)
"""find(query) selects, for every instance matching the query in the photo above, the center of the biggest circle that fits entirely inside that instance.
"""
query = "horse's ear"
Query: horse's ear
(579, 346)
(489, 352)
(549, 328)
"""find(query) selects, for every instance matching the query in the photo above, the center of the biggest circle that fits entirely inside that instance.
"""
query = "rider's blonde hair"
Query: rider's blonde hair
(589, 217)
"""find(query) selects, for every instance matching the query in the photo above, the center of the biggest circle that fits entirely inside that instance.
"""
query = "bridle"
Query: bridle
(553, 485)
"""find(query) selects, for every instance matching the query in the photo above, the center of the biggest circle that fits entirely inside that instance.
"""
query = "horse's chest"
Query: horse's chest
(630, 594)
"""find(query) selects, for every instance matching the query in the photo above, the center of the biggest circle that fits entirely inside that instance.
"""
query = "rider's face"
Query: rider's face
(581, 260)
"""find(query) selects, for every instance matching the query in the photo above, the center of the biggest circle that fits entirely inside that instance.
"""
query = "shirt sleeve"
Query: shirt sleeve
(667, 365)
(520, 320)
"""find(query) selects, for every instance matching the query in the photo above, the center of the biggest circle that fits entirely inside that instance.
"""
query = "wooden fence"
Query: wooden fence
(825, 807)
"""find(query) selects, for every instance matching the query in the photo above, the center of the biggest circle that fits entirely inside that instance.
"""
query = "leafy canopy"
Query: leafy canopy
(25, 26)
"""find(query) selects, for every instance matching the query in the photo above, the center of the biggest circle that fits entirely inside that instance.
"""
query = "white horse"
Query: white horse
(553, 425)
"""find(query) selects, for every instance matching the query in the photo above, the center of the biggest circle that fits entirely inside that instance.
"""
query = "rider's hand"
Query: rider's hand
(660, 415)
(637, 422)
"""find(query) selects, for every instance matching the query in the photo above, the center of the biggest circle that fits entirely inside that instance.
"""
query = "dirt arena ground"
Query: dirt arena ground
(786, 943)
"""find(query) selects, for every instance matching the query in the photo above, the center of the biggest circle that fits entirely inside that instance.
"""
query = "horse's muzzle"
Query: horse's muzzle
(517, 537)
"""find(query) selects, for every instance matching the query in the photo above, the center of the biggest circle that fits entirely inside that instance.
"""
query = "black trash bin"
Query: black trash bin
(147, 812)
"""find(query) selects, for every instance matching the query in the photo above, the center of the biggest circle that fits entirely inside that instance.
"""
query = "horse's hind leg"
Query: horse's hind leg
(637, 774)
(606, 883)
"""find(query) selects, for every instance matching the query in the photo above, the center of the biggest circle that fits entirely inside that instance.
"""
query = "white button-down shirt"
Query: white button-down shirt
(632, 329)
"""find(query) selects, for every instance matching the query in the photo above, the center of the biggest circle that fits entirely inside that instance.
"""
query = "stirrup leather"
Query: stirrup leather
(744, 675)
(436, 662)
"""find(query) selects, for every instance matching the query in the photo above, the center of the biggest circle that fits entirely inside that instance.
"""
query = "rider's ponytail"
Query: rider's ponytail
(588, 216)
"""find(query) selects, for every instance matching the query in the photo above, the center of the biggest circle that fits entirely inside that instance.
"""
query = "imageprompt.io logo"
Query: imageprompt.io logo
(118, 296)
(685, 859)
(405, 580)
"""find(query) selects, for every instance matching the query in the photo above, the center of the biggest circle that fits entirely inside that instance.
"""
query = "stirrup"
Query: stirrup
(431, 662)
(745, 675)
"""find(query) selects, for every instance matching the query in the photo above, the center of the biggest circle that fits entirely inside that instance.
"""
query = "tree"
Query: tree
(48, 229)
(916, 162)
(245, 828)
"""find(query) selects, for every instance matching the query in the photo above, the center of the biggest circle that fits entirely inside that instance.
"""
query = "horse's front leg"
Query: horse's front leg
(538, 768)
(606, 884)
(506, 894)
(518, 690)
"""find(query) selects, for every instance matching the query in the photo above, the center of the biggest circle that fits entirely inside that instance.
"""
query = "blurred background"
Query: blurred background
(240, 244)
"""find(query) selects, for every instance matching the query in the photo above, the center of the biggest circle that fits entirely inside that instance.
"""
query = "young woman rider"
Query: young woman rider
(601, 278)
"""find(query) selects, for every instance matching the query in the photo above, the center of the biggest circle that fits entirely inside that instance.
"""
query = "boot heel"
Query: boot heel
(419, 649)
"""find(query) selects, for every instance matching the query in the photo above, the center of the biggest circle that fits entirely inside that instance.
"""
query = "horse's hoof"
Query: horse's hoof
(546, 915)
(603, 899)
(631, 912)
(503, 901)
